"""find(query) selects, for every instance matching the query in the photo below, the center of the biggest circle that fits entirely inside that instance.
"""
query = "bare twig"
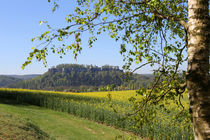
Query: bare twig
(147, 99)
(141, 66)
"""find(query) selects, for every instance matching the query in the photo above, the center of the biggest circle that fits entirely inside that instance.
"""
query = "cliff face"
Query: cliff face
(67, 68)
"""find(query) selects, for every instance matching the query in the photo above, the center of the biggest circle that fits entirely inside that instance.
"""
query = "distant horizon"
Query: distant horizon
(67, 63)
(43, 73)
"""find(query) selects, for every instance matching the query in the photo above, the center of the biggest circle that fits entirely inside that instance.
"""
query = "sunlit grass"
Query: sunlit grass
(59, 125)
(108, 107)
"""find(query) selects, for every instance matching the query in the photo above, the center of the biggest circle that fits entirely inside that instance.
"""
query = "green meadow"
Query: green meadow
(62, 115)
(41, 123)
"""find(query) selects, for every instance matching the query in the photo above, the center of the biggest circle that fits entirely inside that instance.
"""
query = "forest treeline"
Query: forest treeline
(6, 80)
(75, 77)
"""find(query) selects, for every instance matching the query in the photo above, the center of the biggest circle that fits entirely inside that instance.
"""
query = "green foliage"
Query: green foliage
(24, 77)
(153, 32)
(5, 80)
(137, 24)
(148, 31)
(73, 77)
(9, 80)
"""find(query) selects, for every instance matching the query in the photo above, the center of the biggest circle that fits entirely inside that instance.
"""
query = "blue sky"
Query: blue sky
(20, 22)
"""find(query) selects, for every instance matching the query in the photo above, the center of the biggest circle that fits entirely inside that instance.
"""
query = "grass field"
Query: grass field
(101, 106)
(57, 125)
(15, 128)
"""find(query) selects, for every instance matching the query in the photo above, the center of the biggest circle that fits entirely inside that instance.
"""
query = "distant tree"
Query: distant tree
(159, 31)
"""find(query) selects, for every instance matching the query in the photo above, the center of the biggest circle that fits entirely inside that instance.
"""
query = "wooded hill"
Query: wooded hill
(6, 80)
(84, 78)
(24, 77)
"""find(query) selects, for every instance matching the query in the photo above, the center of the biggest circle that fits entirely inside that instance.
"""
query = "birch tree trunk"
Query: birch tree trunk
(198, 67)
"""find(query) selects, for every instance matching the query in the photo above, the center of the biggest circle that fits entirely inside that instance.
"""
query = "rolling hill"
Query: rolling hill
(5, 80)
(24, 77)
(74, 77)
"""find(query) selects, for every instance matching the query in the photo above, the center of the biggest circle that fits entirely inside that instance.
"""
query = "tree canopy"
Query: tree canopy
(152, 32)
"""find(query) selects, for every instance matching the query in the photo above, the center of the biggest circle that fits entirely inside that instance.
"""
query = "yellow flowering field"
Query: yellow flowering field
(98, 107)
(116, 95)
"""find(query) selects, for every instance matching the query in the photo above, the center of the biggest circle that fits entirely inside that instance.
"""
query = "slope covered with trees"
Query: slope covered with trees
(5, 80)
(84, 78)
(24, 77)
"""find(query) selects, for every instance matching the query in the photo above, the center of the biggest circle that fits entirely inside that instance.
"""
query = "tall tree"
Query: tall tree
(198, 66)
(157, 32)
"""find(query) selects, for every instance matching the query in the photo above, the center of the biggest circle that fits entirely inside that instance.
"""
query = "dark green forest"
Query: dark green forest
(6, 80)
(23, 77)
(80, 78)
